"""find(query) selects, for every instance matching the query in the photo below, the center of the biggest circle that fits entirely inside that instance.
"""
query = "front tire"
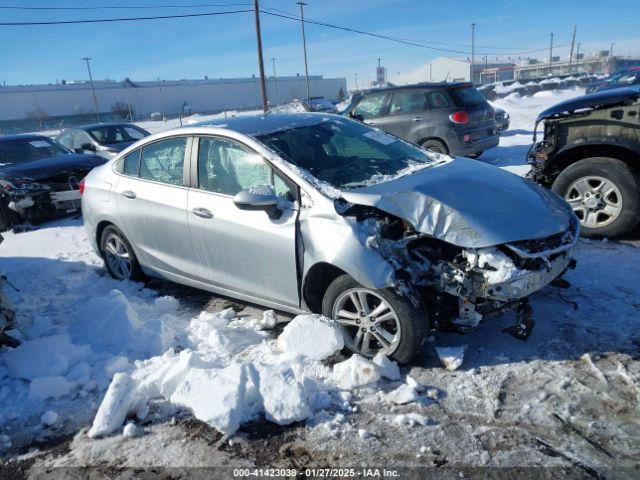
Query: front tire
(119, 258)
(375, 320)
(604, 193)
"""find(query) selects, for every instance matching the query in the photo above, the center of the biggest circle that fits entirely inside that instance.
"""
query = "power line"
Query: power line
(127, 19)
(123, 7)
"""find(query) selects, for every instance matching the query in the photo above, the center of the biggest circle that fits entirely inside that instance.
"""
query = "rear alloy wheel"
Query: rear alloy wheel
(119, 257)
(435, 146)
(375, 321)
(604, 193)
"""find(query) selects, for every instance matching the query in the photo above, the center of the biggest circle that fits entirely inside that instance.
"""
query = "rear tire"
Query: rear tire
(119, 258)
(435, 146)
(398, 319)
(604, 193)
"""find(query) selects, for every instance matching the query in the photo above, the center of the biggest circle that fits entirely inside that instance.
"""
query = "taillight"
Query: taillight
(459, 117)
(81, 186)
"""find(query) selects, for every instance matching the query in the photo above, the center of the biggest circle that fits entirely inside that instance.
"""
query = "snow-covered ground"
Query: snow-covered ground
(116, 375)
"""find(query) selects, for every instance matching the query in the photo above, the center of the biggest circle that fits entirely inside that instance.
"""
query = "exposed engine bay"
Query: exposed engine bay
(463, 286)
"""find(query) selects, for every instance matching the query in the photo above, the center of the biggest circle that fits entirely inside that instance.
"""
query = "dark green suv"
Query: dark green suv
(590, 155)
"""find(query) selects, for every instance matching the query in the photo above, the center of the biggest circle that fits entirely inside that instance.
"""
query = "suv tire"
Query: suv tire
(580, 184)
(119, 258)
(404, 329)
(435, 146)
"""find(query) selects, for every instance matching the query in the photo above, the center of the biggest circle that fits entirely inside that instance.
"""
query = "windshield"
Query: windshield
(110, 134)
(467, 97)
(24, 150)
(347, 154)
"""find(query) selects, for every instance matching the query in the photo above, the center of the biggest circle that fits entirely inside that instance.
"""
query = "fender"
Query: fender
(621, 142)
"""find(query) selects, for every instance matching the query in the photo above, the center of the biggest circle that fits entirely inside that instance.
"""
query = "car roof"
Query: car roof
(23, 136)
(603, 99)
(426, 85)
(97, 125)
(260, 124)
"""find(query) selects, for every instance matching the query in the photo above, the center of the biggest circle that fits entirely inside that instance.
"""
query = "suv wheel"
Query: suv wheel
(119, 258)
(604, 193)
(374, 321)
(435, 146)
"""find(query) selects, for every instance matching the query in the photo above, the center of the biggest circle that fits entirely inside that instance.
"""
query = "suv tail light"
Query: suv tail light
(81, 186)
(461, 118)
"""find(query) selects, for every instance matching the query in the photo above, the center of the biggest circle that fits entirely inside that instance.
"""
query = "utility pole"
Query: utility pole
(356, 82)
(164, 118)
(473, 49)
(304, 46)
(263, 85)
(35, 100)
(573, 41)
(93, 89)
(275, 78)
(551, 56)
(611, 49)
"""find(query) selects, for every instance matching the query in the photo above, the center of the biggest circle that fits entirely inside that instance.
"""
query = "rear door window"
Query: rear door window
(131, 164)
(371, 106)
(163, 161)
(438, 100)
(408, 101)
(467, 97)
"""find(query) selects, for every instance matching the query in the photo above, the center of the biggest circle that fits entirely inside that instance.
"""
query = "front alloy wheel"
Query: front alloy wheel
(375, 320)
(369, 324)
(596, 201)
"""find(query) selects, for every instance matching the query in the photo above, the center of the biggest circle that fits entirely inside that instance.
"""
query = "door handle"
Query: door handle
(417, 119)
(202, 213)
(129, 194)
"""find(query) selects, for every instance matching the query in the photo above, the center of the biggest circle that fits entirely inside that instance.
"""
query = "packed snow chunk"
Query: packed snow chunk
(498, 267)
(223, 398)
(402, 395)
(451, 357)
(269, 320)
(43, 357)
(355, 372)
(311, 336)
(387, 368)
(411, 419)
(130, 430)
(49, 418)
(116, 364)
(166, 304)
(43, 388)
(413, 383)
(115, 406)
(365, 434)
(284, 398)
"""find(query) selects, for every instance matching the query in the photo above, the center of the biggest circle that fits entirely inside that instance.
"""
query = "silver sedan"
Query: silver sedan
(317, 212)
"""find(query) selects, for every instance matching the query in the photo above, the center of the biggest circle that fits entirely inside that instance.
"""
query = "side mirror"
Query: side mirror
(262, 197)
(356, 116)
(87, 146)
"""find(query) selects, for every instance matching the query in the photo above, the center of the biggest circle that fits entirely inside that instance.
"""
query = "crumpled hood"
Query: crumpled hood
(469, 203)
(44, 168)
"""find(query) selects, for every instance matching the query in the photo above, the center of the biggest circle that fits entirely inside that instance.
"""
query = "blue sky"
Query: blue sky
(225, 46)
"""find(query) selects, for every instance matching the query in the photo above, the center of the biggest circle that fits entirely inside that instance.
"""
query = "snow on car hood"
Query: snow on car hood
(469, 204)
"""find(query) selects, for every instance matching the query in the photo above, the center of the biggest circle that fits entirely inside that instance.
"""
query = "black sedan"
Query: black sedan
(104, 139)
(39, 179)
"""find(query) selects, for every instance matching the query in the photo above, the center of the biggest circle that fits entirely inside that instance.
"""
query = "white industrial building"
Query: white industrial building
(446, 69)
(166, 97)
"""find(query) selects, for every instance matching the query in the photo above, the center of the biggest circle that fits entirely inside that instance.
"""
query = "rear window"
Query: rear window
(467, 97)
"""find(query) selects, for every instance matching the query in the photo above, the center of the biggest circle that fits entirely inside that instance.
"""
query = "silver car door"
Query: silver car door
(152, 204)
(240, 250)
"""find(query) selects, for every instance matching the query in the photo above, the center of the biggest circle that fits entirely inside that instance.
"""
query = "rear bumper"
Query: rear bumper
(461, 148)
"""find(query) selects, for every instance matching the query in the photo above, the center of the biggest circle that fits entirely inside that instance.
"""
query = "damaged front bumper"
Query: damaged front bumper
(24, 201)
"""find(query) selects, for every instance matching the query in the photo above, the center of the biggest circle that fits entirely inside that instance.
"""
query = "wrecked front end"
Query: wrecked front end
(24, 201)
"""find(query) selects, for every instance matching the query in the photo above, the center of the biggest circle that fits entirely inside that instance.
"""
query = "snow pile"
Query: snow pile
(451, 357)
(229, 375)
(311, 336)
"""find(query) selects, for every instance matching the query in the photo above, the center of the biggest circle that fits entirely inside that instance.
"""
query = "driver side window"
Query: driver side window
(228, 167)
